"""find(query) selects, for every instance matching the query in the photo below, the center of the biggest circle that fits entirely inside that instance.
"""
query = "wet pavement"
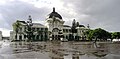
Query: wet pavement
(59, 50)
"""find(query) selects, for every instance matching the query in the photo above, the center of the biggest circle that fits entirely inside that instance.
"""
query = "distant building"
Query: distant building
(1, 35)
(5, 38)
(54, 29)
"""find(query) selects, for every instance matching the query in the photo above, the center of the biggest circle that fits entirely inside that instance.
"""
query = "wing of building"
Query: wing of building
(53, 29)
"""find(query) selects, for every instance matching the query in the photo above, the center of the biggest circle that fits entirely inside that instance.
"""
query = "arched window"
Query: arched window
(37, 37)
(66, 37)
(15, 36)
(20, 37)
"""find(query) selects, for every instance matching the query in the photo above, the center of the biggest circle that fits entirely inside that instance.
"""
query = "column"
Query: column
(23, 37)
(17, 36)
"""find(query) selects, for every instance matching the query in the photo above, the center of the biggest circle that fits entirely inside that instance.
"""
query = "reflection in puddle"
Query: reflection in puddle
(59, 50)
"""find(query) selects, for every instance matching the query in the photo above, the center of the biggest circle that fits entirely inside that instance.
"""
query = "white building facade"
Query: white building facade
(54, 29)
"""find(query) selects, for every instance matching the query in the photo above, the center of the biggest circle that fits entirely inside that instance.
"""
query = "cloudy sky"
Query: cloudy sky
(98, 13)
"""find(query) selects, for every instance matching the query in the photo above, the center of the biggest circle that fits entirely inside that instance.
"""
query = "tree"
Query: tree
(73, 26)
(101, 34)
(29, 33)
(89, 34)
(77, 24)
(115, 35)
(29, 30)
(74, 23)
(98, 34)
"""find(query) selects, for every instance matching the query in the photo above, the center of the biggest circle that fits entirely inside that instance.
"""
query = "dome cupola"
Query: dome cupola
(54, 14)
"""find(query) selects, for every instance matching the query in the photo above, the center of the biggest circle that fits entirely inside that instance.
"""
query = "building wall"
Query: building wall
(11, 35)
(81, 33)
(66, 32)
(40, 33)
(54, 23)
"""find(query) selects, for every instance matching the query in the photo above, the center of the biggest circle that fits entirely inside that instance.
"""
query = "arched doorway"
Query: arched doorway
(20, 37)
(55, 34)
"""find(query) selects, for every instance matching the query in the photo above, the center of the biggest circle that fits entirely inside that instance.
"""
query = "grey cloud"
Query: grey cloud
(20, 10)
(102, 13)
